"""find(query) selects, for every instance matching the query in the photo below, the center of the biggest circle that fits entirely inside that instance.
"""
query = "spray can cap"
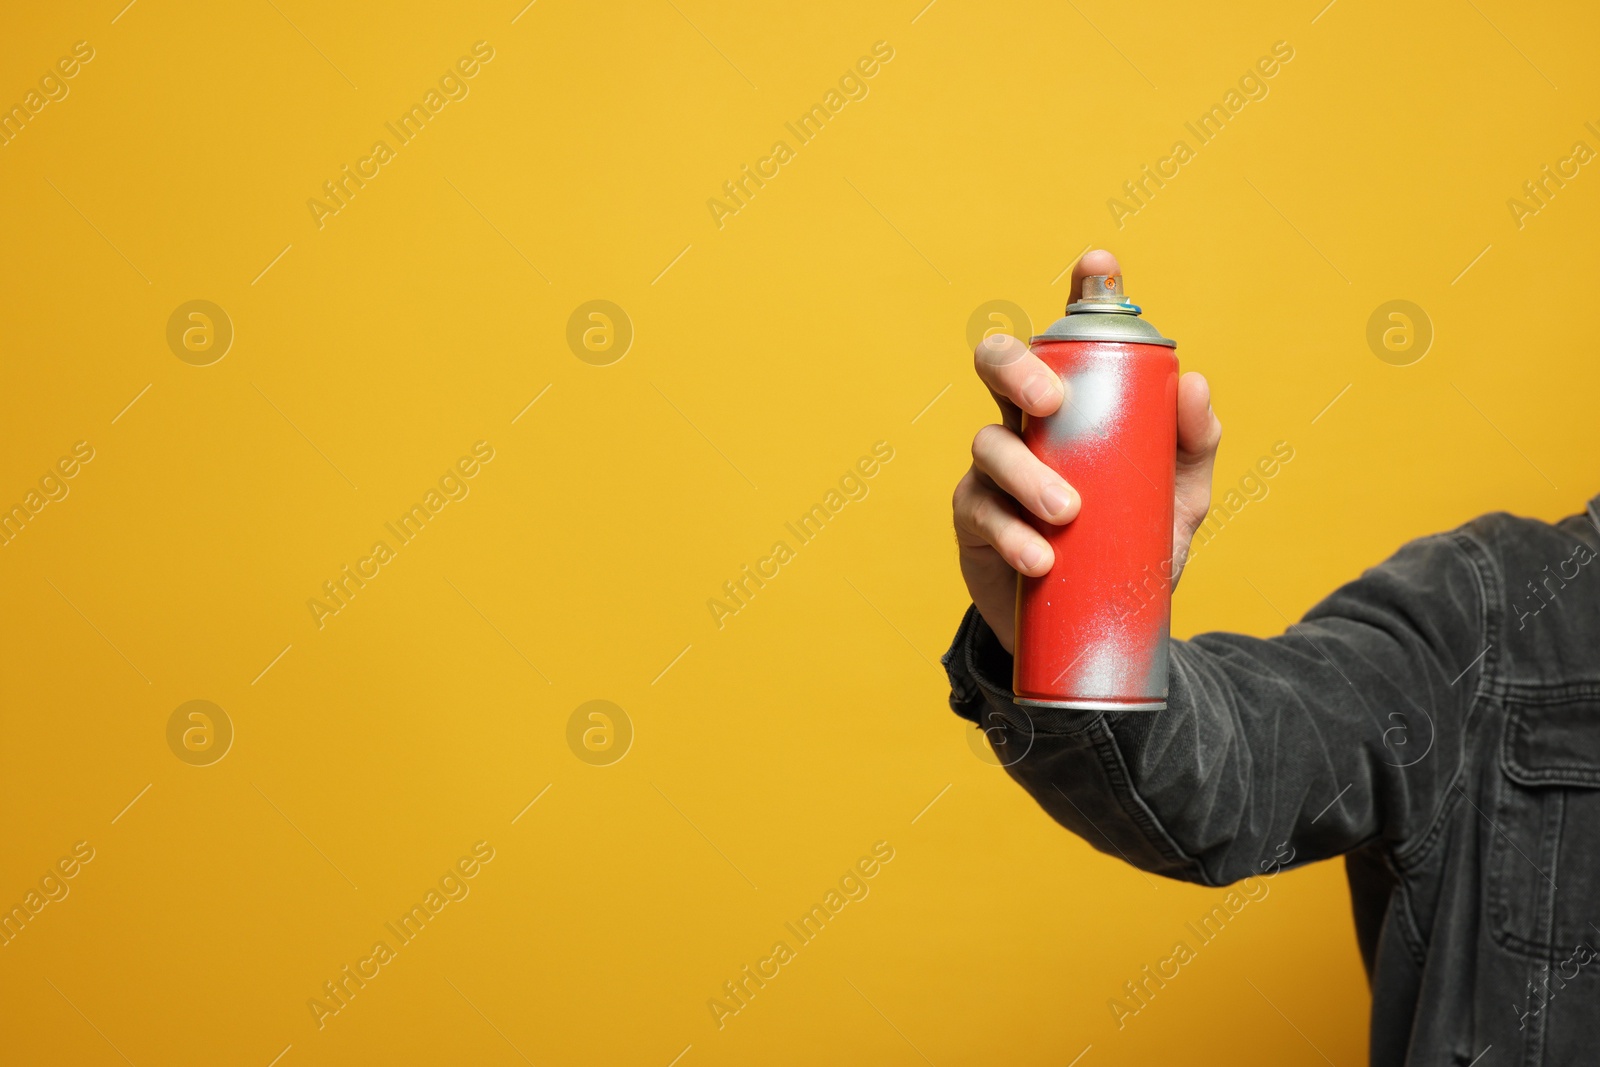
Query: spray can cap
(1103, 312)
(1103, 293)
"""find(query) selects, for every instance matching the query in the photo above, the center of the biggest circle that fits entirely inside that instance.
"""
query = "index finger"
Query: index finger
(1017, 378)
(1020, 380)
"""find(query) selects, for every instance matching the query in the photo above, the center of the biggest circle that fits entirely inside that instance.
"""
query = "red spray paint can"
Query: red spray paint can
(1092, 633)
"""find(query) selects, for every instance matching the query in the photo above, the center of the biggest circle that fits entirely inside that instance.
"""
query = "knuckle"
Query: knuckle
(983, 509)
(968, 503)
(984, 440)
(991, 517)
(996, 350)
(960, 498)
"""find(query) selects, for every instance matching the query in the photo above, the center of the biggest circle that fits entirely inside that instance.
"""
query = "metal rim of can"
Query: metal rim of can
(1160, 342)
(1102, 307)
(1093, 705)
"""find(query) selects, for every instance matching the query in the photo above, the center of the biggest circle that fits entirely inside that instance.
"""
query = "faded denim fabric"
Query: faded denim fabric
(1436, 722)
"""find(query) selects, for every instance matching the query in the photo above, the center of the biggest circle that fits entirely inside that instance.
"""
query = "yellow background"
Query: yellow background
(823, 317)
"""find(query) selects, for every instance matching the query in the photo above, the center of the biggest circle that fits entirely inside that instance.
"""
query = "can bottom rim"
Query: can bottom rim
(1093, 705)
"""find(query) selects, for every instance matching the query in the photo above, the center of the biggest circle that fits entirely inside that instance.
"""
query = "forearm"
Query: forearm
(1070, 761)
(1270, 751)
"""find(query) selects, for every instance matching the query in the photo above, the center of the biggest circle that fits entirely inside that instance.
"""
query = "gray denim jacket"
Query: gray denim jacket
(1436, 722)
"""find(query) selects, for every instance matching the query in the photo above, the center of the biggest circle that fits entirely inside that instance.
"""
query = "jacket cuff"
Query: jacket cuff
(978, 667)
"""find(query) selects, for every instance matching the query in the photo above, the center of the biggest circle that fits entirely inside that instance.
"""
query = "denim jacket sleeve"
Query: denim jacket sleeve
(1346, 729)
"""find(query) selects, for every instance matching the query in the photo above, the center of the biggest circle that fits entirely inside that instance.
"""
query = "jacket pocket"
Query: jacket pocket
(1543, 857)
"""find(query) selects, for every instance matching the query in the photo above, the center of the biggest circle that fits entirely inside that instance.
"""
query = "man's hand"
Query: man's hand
(995, 541)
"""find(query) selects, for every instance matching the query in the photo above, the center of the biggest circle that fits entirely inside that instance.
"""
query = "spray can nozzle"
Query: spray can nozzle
(1103, 293)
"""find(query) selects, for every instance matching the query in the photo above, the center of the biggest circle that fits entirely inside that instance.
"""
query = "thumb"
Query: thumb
(1199, 434)
(1199, 430)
